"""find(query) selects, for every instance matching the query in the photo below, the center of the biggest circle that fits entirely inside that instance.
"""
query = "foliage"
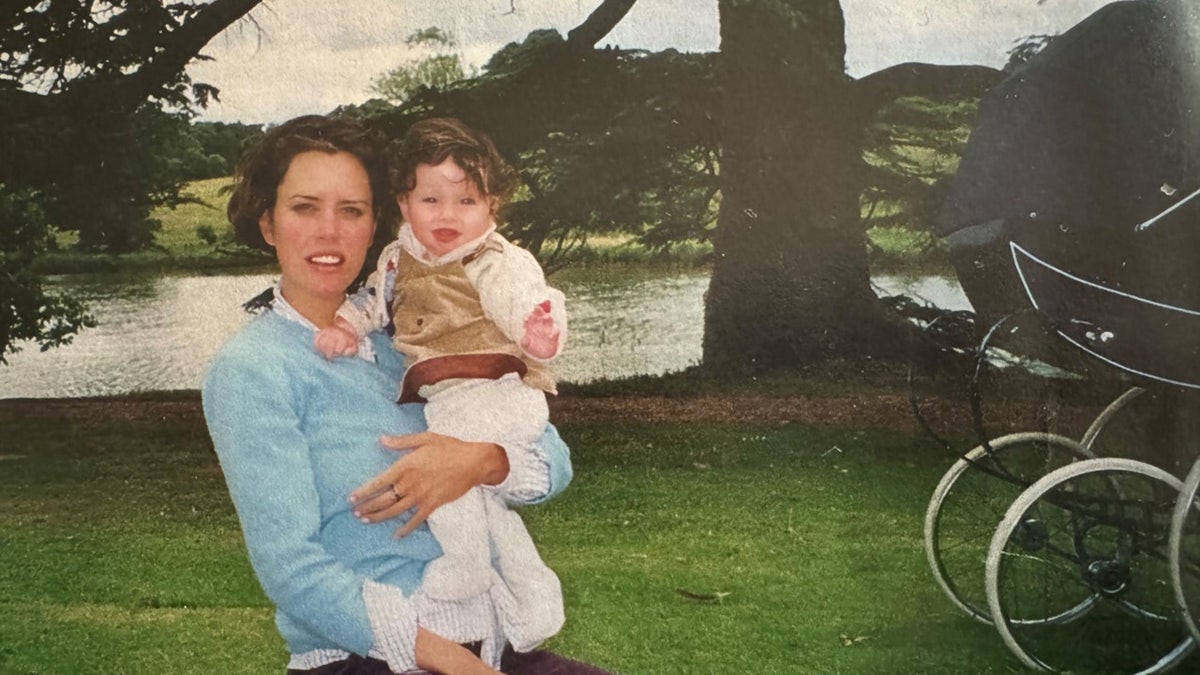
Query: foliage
(624, 143)
(107, 195)
(517, 56)
(87, 142)
(435, 71)
(76, 78)
(911, 152)
(194, 236)
(55, 45)
(1026, 49)
(220, 144)
(30, 313)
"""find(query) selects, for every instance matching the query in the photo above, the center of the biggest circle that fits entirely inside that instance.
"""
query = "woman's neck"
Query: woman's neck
(320, 311)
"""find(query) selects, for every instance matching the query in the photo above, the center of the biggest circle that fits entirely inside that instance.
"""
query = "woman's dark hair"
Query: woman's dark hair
(434, 140)
(262, 167)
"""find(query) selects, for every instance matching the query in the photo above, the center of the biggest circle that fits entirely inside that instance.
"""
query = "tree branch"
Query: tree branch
(598, 24)
(179, 47)
(922, 79)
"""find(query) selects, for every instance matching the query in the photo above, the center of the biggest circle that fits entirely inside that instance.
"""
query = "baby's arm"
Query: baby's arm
(515, 297)
(364, 311)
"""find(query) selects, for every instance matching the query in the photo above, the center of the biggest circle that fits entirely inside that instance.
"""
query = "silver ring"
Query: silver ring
(395, 494)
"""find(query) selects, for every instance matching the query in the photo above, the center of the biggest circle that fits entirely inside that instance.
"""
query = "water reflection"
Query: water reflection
(159, 333)
(938, 290)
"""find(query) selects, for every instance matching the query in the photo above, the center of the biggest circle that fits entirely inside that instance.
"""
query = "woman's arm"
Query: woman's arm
(441, 469)
(438, 470)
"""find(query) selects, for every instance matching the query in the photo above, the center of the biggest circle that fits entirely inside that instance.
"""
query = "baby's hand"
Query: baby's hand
(336, 340)
(541, 335)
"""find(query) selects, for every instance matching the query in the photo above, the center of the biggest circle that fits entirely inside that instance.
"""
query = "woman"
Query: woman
(298, 436)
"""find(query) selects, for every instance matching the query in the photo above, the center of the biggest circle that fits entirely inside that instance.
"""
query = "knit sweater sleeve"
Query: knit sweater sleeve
(253, 410)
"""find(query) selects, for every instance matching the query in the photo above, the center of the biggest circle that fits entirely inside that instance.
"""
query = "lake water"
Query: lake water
(159, 333)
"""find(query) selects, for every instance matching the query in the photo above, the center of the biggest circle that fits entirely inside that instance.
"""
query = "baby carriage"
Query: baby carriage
(1082, 563)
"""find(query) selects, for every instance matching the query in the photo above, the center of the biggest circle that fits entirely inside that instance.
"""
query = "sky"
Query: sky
(294, 57)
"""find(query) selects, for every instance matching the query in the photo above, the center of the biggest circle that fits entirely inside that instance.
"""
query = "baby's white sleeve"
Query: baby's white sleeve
(510, 284)
(367, 310)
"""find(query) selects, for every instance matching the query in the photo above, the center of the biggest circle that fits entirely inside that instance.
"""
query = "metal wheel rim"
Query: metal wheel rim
(1007, 525)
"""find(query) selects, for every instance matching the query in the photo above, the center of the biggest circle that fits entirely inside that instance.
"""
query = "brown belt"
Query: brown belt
(457, 366)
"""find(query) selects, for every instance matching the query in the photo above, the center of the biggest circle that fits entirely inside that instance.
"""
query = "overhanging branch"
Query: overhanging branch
(598, 24)
(180, 47)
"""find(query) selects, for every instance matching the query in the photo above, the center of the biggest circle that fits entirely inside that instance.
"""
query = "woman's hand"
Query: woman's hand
(439, 470)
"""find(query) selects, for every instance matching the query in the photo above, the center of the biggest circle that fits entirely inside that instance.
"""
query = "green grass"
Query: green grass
(120, 553)
(810, 537)
(179, 225)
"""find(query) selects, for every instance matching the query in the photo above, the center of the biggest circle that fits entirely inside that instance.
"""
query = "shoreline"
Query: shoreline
(881, 409)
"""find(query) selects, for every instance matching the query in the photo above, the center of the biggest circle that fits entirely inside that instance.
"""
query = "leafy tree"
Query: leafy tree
(790, 281)
(222, 143)
(911, 152)
(75, 81)
(801, 145)
(29, 312)
(634, 154)
(436, 71)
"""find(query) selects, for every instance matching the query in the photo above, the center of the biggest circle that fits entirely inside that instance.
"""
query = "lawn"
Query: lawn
(682, 549)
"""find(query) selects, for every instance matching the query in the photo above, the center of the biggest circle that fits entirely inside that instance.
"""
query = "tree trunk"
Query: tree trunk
(790, 282)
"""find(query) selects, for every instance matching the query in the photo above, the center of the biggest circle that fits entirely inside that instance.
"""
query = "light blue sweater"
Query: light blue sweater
(295, 435)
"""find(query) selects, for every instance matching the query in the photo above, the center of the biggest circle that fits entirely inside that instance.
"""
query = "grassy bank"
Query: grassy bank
(179, 247)
(698, 548)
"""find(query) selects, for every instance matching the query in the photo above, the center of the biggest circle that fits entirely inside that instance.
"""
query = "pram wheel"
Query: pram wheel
(1185, 550)
(1077, 576)
(1106, 415)
(971, 499)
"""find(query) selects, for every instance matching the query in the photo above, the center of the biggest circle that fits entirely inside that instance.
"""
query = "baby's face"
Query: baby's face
(445, 208)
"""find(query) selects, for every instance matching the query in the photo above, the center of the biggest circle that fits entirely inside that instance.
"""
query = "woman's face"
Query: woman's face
(321, 227)
(444, 208)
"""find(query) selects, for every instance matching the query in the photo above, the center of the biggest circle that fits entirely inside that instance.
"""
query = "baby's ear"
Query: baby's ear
(402, 202)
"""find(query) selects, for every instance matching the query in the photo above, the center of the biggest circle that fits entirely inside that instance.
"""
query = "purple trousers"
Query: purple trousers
(536, 662)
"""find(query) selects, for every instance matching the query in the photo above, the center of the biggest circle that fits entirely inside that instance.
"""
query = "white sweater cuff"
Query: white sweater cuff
(394, 623)
(528, 477)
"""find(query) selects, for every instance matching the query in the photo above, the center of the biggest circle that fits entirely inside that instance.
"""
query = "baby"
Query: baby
(477, 323)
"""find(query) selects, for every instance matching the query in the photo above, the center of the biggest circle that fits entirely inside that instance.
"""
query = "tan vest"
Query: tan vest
(443, 333)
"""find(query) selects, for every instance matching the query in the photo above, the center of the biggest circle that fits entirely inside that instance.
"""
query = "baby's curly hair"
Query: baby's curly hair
(432, 141)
